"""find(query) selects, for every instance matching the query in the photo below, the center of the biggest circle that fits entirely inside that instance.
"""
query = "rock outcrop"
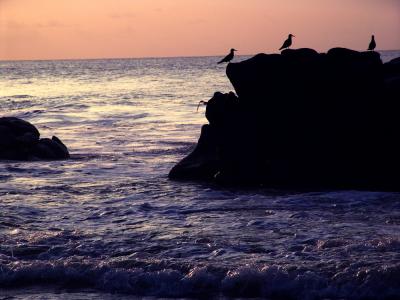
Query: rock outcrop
(20, 140)
(303, 119)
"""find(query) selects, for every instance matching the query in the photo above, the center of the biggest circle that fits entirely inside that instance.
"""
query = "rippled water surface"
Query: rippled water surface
(108, 223)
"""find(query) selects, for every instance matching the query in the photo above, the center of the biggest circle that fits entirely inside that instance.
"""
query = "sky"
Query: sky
(75, 29)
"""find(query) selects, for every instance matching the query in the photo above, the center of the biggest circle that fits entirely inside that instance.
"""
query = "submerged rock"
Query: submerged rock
(20, 140)
(303, 119)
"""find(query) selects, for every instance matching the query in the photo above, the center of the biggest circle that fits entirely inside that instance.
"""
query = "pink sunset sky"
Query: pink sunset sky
(57, 29)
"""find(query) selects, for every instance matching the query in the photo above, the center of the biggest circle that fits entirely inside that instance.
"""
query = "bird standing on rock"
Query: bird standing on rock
(229, 57)
(287, 43)
(372, 44)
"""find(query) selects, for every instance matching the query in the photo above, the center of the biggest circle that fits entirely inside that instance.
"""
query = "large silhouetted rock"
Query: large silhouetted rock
(20, 140)
(203, 162)
(304, 119)
(392, 78)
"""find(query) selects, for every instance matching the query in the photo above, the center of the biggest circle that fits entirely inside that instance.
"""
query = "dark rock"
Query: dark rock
(16, 138)
(203, 162)
(20, 140)
(304, 119)
(392, 68)
(213, 150)
(16, 131)
(392, 78)
(220, 108)
(62, 148)
(50, 149)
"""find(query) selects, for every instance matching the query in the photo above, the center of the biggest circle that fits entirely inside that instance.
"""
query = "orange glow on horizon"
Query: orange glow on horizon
(48, 29)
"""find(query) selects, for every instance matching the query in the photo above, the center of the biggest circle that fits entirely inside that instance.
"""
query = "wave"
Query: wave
(163, 152)
(273, 282)
(20, 96)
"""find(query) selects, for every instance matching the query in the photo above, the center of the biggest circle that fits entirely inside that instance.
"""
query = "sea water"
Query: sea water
(109, 224)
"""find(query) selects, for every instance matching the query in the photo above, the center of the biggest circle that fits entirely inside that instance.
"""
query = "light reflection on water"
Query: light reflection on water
(112, 210)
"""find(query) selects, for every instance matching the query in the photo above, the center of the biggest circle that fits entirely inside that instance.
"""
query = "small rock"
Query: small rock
(20, 140)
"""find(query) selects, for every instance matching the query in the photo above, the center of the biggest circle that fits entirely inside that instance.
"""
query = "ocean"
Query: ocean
(109, 224)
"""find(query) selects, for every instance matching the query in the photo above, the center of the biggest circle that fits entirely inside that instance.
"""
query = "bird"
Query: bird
(372, 44)
(287, 43)
(201, 102)
(229, 57)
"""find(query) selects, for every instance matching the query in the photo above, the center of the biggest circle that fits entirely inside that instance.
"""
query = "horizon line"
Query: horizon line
(158, 57)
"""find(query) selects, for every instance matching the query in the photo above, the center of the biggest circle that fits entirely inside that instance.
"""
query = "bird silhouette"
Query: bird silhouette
(229, 57)
(372, 44)
(287, 43)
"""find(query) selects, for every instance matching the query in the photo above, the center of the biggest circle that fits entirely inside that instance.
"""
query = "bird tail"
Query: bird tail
(281, 48)
(220, 62)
